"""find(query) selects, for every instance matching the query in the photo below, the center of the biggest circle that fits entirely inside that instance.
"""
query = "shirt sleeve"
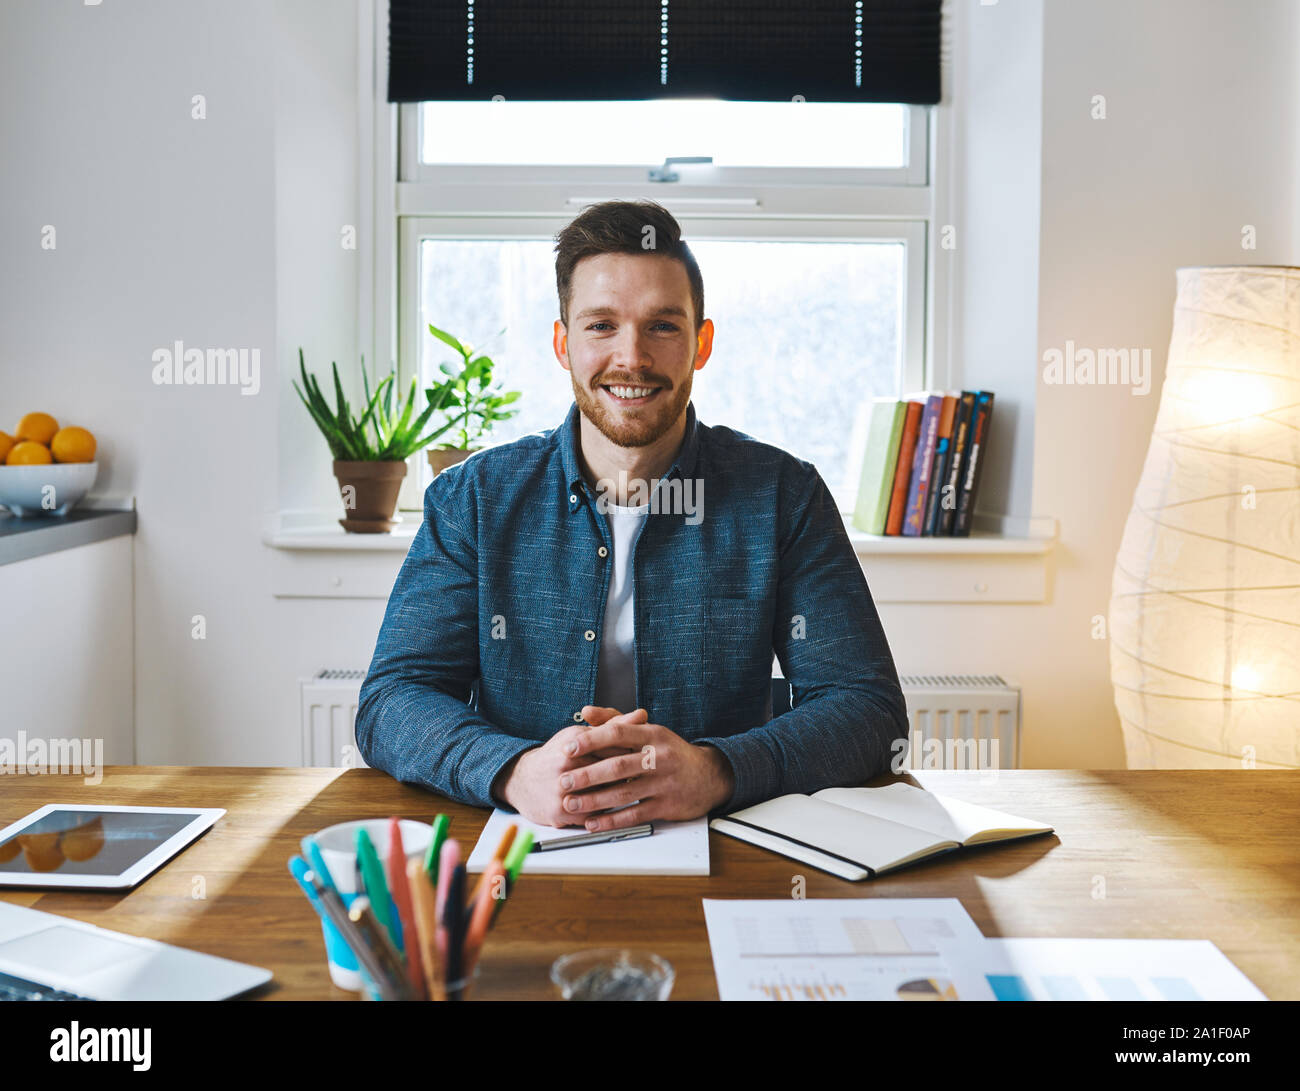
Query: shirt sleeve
(848, 718)
(413, 719)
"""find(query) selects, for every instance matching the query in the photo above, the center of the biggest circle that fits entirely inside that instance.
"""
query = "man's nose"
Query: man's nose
(629, 351)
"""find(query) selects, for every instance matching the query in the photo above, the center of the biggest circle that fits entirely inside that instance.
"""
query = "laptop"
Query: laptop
(45, 957)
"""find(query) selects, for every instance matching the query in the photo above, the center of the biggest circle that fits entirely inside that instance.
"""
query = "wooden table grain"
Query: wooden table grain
(1184, 854)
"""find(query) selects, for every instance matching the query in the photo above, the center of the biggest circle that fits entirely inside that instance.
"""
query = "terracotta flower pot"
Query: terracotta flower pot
(369, 491)
(442, 457)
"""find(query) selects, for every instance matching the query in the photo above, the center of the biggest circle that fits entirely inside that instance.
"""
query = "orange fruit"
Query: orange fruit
(73, 445)
(39, 427)
(28, 453)
(6, 443)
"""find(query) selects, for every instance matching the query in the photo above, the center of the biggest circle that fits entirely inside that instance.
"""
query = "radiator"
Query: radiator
(962, 721)
(958, 721)
(329, 715)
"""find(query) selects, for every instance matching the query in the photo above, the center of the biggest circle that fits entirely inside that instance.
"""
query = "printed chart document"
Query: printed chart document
(1104, 969)
(675, 848)
(841, 949)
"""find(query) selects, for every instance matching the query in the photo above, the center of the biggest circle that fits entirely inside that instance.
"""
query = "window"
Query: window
(813, 247)
(737, 134)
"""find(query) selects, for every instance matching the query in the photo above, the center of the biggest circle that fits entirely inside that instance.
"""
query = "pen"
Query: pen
(362, 914)
(454, 921)
(326, 901)
(513, 865)
(397, 883)
(518, 851)
(492, 881)
(448, 859)
(372, 874)
(426, 926)
(317, 862)
(433, 857)
(578, 840)
(503, 847)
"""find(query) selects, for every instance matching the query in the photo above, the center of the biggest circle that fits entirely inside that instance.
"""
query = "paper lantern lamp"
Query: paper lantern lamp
(1205, 602)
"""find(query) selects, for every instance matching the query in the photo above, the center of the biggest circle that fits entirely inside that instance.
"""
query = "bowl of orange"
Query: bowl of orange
(45, 469)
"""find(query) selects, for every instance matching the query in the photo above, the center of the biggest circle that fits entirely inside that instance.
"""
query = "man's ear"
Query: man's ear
(704, 344)
(560, 343)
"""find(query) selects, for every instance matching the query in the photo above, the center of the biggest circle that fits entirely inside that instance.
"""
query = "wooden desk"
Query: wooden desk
(1157, 854)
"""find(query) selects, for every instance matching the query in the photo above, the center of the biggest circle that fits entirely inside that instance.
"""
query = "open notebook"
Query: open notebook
(857, 833)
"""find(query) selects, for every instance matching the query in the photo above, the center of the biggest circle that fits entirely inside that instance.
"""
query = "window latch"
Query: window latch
(666, 172)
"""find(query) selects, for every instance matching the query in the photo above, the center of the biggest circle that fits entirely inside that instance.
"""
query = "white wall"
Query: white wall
(1199, 140)
(225, 232)
(169, 228)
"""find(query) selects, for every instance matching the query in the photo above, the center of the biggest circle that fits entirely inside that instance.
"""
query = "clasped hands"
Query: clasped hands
(616, 759)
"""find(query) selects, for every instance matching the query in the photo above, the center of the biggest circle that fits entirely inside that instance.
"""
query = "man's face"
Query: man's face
(630, 347)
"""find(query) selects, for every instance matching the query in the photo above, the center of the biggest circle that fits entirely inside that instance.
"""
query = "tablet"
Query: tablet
(100, 848)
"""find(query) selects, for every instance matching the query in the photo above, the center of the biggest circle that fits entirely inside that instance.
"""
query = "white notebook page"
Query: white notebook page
(675, 848)
(951, 819)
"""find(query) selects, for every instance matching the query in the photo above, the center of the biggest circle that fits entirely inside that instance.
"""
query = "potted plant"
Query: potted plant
(470, 401)
(369, 471)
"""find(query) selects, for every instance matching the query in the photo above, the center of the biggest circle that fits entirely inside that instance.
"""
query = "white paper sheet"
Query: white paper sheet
(840, 949)
(1105, 969)
(675, 848)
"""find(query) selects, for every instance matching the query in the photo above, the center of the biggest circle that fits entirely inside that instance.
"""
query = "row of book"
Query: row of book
(921, 472)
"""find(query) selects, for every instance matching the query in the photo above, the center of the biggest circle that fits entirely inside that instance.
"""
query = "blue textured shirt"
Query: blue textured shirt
(502, 596)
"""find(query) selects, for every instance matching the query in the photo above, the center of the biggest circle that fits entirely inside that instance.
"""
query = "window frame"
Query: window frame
(914, 172)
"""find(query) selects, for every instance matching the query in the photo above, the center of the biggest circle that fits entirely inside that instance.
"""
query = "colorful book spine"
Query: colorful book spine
(876, 484)
(960, 445)
(918, 490)
(974, 465)
(939, 468)
(903, 469)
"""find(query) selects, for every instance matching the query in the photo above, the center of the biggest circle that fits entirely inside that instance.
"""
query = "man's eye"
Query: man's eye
(666, 325)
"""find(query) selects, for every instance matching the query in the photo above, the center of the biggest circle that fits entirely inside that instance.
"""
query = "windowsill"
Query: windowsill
(1002, 561)
(980, 541)
(314, 530)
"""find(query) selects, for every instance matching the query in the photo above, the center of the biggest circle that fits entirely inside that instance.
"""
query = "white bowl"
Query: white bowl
(53, 489)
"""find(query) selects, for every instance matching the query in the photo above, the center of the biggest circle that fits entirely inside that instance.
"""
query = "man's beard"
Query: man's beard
(640, 428)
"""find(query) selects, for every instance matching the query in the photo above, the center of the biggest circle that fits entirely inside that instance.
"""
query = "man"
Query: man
(616, 586)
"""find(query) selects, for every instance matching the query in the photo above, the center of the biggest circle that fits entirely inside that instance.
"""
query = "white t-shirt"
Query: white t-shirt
(616, 675)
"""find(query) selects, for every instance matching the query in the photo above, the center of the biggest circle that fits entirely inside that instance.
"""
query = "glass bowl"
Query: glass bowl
(612, 973)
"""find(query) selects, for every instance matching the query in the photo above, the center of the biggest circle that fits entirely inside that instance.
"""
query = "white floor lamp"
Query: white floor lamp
(1205, 601)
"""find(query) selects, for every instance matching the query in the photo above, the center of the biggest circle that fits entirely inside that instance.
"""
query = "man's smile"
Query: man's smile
(628, 396)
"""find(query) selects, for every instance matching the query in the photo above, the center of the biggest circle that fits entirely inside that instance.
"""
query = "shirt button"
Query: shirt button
(577, 717)
(602, 552)
(572, 498)
(590, 634)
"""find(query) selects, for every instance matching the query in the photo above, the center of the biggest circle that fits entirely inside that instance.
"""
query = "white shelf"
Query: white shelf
(315, 531)
(316, 558)
(979, 542)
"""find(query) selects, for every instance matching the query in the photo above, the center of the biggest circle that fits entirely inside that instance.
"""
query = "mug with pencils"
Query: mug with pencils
(337, 846)
(392, 897)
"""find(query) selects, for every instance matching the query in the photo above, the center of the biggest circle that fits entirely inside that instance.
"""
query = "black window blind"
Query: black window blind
(752, 50)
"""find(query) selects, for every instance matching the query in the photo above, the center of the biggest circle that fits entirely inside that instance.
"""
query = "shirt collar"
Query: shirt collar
(570, 442)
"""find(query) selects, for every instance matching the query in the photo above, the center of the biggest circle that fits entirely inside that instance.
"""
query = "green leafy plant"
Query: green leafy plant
(396, 436)
(470, 400)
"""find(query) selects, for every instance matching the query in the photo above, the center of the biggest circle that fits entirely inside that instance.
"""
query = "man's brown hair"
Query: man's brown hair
(623, 227)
